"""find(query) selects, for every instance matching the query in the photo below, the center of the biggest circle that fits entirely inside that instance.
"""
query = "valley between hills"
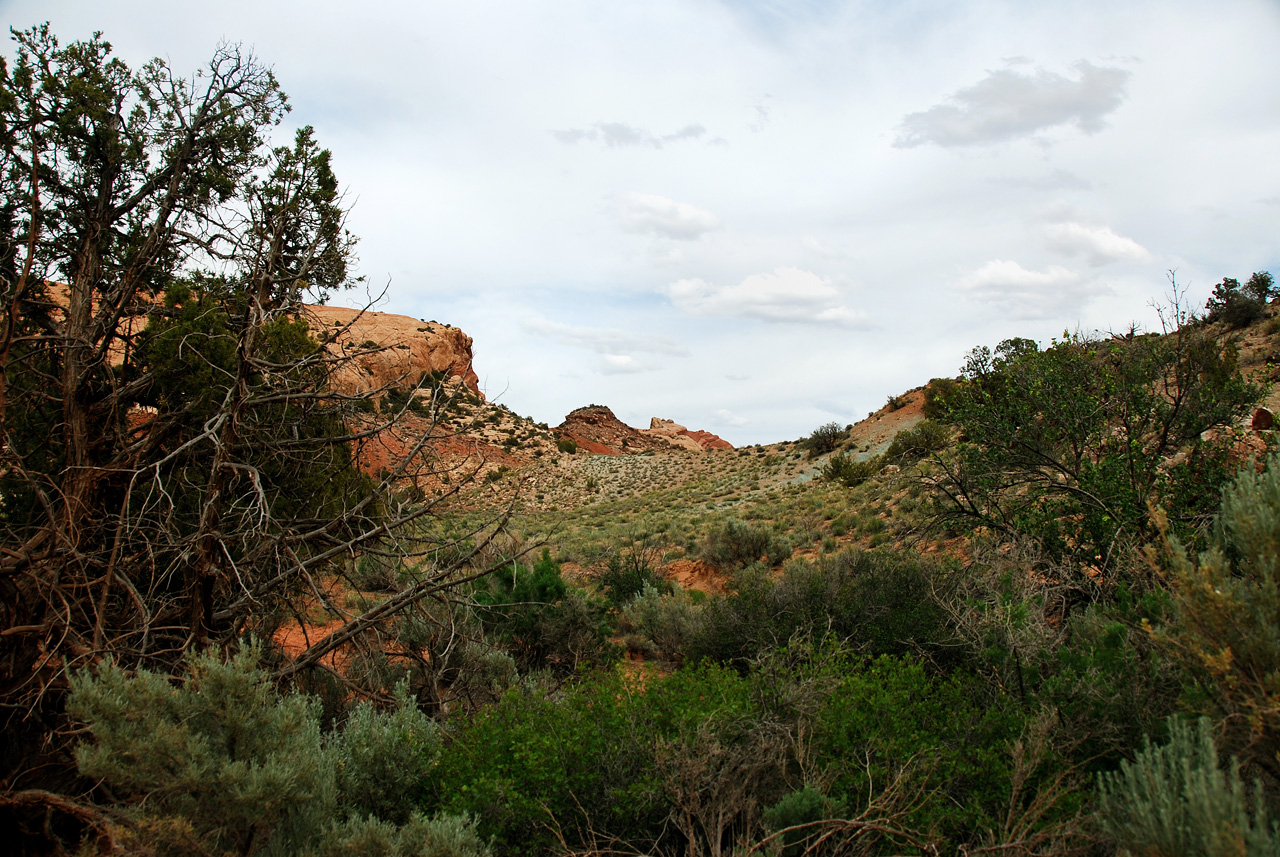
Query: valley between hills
(279, 580)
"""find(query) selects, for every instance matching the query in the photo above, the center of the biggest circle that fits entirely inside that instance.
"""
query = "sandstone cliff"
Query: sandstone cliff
(407, 349)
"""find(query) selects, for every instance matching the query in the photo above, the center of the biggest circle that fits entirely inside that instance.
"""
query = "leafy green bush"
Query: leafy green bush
(1239, 306)
(583, 761)
(824, 439)
(541, 621)
(438, 836)
(384, 758)
(666, 619)
(240, 764)
(1176, 800)
(735, 544)
(847, 471)
(935, 397)
(804, 806)
(1073, 445)
(566, 445)
(872, 602)
(628, 573)
(897, 720)
(919, 441)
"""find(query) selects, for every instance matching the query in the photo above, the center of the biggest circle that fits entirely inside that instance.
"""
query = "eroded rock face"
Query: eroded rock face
(596, 429)
(680, 436)
(408, 349)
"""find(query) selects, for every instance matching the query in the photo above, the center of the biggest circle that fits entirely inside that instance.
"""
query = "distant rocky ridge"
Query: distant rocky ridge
(596, 429)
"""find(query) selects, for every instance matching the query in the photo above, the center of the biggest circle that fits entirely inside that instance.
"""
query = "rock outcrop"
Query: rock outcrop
(596, 429)
(391, 350)
(678, 435)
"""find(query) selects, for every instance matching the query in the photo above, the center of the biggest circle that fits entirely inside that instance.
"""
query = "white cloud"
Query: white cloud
(609, 342)
(1008, 104)
(820, 248)
(785, 295)
(729, 418)
(1029, 294)
(651, 214)
(620, 135)
(624, 364)
(1098, 244)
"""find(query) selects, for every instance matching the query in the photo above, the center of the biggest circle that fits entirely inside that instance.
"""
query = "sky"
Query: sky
(755, 218)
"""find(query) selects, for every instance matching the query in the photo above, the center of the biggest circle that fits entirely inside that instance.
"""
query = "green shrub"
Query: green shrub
(628, 573)
(1176, 800)
(384, 758)
(438, 836)
(566, 445)
(804, 806)
(736, 544)
(847, 471)
(1226, 628)
(1239, 306)
(541, 621)
(222, 752)
(917, 442)
(824, 439)
(665, 619)
(872, 602)
(935, 397)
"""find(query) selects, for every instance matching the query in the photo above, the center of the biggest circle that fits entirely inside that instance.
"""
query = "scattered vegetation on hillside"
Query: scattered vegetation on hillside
(1038, 617)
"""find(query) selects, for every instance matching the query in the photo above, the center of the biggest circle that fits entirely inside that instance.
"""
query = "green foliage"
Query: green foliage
(245, 767)
(541, 621)
(1068, 445)
(804, 806)
(438, 836)
(735, 544)
(824, 439)
(384, 758)
(666, 618)
(846, 470)
(919, 441)
(566, 445)
(1176, 800)
(872, 602)
(1226, 625)
(1239, 306)
(628, 573)
(935, 397)
(896, 719)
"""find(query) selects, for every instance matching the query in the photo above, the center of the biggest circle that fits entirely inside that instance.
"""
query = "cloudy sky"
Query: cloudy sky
(757, 217)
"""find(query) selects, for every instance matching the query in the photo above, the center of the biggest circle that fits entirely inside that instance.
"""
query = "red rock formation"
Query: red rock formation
(680, 436)
(407, 349)
(596, 429)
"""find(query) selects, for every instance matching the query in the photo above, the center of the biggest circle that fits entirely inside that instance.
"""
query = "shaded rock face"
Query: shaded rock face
(596, 429)
(408, 349)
